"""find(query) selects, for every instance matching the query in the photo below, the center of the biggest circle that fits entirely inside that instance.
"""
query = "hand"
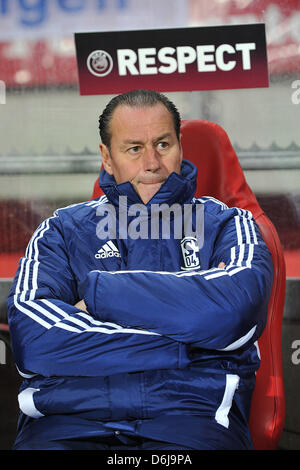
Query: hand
(221, 265)
(81, 305)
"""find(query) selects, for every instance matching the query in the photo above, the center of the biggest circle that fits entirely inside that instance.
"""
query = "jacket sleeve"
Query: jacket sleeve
(221, 309)
(50, 336)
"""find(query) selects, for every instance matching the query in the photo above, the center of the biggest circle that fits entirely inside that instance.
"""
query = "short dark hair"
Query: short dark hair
(135, 98)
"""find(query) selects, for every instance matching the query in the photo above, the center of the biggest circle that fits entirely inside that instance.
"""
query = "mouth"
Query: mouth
(147, 188)
(156, 181)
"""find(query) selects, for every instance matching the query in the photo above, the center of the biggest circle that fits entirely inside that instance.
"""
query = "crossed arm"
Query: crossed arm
(81, 304)
(150, 320)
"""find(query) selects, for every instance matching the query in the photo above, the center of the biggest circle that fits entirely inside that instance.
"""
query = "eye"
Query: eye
(134, 150)
(163, 145)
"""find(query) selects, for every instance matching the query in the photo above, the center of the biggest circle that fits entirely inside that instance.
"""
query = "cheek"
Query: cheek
(174, 164)
(125, 172)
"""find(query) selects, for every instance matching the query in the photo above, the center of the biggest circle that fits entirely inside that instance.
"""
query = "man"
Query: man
(149, 342)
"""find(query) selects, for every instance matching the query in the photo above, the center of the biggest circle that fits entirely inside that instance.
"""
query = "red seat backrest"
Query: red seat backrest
(220, 175)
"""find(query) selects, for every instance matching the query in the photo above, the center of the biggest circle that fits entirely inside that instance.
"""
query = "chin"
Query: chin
(146, 196)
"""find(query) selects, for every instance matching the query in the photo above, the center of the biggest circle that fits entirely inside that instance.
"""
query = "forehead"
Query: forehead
(141, 122)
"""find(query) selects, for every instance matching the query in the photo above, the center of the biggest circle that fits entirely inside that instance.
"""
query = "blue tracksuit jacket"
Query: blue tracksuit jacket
(168, 348)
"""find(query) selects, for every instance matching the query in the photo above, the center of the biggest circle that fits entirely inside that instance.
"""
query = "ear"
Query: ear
(181, 150)
(106, 158)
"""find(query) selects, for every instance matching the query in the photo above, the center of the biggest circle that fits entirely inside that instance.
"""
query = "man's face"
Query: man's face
(144, 149)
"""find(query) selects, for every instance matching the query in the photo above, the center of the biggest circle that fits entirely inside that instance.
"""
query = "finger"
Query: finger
(81, 305)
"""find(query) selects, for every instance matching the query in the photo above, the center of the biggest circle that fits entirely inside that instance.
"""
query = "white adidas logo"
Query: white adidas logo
(108, 250)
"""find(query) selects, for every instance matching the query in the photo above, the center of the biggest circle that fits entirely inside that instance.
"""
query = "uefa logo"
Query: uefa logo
(99, 63)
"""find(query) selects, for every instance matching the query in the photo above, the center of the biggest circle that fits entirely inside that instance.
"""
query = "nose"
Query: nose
(151, 160)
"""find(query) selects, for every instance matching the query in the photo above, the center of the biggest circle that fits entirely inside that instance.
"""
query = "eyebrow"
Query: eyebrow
(138, 142)
(167, 134)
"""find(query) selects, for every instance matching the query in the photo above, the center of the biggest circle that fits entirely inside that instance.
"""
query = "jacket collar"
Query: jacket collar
(176, 189)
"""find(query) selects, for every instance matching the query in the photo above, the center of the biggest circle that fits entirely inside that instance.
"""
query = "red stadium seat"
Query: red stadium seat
(220, 175)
